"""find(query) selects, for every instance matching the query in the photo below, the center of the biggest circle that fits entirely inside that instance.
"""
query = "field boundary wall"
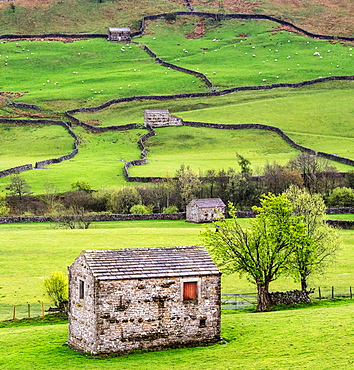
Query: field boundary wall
(102, 217)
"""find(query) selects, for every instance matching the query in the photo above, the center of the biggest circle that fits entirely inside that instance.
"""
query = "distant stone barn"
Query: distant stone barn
(160, 118)
(119, 34)
(148, 298)
(205, 210)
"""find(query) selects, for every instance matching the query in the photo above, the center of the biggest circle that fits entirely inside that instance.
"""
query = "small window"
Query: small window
(190, 291)
(81, 289)
(202, 323)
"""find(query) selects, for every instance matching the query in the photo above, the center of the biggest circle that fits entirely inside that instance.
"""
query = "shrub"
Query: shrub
(140, 209)
(341, 197)
(170, 209)
(56, 288)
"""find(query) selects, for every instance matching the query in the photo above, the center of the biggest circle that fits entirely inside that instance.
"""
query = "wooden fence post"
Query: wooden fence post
(42, 308)
(29, 310)
(351, 293)
(332, 292)
(14, 314)
(319, 293)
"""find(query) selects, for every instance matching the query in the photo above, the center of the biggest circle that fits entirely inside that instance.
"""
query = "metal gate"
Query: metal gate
(238, 301)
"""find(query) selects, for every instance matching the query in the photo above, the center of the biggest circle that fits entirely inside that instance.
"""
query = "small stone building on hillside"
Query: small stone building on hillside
(205, 210)
(160, 118)
(144, 298)
(119, 34)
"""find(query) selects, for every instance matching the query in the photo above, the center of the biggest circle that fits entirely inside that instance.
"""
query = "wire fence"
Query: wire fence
(239, 301)
(21, 311)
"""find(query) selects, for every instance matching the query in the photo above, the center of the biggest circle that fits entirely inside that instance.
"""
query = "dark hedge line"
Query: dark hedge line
(111, 217)
(55, 35)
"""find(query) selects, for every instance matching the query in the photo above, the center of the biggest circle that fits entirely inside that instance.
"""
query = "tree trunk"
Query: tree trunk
(263, 298)
(303, 284)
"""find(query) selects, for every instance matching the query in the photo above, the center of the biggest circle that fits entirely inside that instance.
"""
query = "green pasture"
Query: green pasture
(320, 337)
(239, 52)
(84, 73)
(100, 162)
(344, 217)
(206, 148)
(28, 144)
(29, 252)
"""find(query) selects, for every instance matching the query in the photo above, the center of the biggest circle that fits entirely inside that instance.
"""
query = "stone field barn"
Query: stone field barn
(145, 298)
(205, 210)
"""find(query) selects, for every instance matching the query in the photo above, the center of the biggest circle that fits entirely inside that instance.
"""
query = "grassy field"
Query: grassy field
(84, 73)
(238, 53)
(315, 338)
(99, 162)
(31, 251)
(42, 142)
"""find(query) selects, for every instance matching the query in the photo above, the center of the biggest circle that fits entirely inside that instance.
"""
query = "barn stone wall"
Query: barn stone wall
(143, 314)
(82, 318)
(205, 214)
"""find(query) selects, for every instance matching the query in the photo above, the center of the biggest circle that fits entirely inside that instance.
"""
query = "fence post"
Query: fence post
(351, 293)
(332, 292)
(42, 308)
(14, 314)
(319, 293)
(29, 310)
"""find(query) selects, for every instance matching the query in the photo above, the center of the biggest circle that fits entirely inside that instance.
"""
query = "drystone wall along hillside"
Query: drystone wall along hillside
(13, 170)
(219, 17)
(341, 224)
(23, 105)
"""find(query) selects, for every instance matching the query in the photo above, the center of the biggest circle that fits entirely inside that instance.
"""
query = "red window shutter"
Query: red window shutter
(190, 291)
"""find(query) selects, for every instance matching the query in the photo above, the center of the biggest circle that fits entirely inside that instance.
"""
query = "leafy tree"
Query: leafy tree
(122, 199)
(56, 288)
(244, 163)
(19, 190)
(341, 197)
(313, 252)
(261, 252)
(19, 187)
(188, 184)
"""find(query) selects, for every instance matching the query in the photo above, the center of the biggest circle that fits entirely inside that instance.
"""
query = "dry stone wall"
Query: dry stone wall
(289, 298)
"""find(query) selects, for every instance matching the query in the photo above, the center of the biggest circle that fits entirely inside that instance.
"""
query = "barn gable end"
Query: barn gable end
(143, 298)
(205, 210)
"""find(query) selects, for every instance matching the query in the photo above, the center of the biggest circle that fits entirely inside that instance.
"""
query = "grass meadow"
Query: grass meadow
(315, 338)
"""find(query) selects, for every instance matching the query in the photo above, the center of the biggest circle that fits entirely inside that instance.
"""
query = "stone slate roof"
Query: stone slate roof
(157, 111)
(118, 29)
(136, 263)
(208, 202)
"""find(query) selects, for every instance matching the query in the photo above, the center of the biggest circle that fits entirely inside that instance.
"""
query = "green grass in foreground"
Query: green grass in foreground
(316, 338)
(28, 252)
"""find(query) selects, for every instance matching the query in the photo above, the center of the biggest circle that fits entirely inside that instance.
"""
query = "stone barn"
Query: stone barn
(160, 118)
(205, 210)
(145, 298)
(119, 34)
